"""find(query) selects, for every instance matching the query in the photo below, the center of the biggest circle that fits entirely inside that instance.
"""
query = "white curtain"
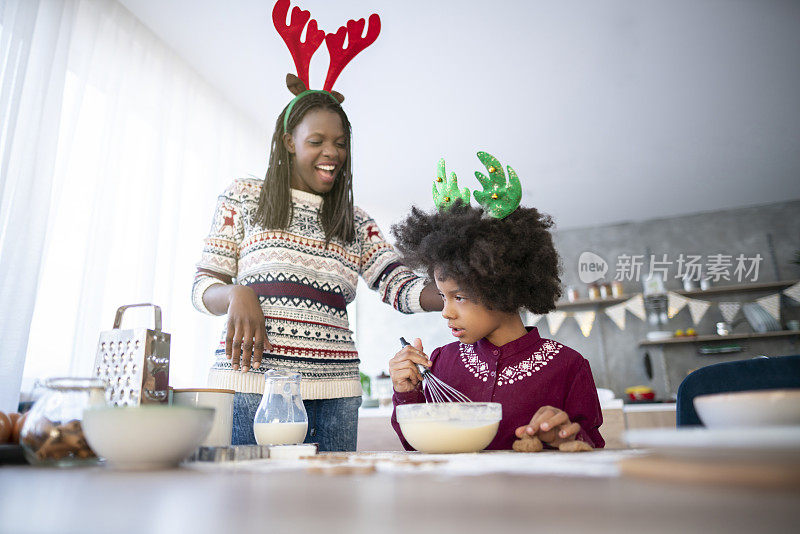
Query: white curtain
(113, 151)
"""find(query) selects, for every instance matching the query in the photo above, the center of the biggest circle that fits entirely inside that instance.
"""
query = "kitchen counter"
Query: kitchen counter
(650, 415)
(251, 497)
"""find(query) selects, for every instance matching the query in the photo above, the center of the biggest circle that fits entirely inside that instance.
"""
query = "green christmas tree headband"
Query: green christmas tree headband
(498, 199)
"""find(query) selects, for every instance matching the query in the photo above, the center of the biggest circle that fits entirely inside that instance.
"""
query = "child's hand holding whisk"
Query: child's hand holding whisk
(403, 367)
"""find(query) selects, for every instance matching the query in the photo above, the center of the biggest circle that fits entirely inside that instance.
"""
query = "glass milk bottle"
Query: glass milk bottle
(281, 417)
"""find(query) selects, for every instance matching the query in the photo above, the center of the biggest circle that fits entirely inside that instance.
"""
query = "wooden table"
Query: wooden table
(189, 500)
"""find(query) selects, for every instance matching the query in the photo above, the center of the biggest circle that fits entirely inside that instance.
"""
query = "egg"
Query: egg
(5, 427)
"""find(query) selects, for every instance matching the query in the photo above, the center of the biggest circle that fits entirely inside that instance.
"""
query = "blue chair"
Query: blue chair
(744, 375)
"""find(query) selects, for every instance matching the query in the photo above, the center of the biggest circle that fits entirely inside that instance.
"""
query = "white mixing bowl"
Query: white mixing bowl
(146, 437)
(449, 427)
(743, 409)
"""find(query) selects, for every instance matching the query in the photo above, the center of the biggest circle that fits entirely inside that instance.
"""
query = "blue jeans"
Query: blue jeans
(333, 423)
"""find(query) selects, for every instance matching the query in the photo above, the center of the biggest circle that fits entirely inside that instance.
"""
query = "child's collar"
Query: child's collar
(512, 347)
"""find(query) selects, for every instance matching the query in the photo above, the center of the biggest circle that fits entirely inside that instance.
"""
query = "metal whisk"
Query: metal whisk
(435, 390)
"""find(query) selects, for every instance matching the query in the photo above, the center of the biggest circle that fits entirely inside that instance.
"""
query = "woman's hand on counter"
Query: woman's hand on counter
(247, 332)
(403, 367)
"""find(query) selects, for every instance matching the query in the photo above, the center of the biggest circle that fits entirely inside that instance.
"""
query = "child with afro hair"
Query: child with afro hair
(487, 270)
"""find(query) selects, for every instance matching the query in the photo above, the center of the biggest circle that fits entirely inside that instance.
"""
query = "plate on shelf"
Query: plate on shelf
(774, 443)
(723, 349)
(760, 320)
(769, 321)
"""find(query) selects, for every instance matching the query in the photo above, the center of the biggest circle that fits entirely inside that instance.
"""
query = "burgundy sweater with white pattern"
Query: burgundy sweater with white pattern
(522, 375)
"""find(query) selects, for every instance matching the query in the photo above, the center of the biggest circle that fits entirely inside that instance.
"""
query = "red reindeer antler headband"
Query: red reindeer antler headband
(303, 51)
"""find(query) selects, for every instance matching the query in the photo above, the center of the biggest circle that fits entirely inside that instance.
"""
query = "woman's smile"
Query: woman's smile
(326, 172)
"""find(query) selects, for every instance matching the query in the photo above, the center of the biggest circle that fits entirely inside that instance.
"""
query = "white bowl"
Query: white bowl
(449, 427)
(146, 437)
(659, 335)
(776, 407)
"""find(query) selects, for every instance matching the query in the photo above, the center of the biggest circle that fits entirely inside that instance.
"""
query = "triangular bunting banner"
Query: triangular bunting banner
(617, 314)
(585, 321)
(772, 304)
(793, 292)
(635, 305)
(554, 320)
(729, 310)
(675, 303)
(698, 309)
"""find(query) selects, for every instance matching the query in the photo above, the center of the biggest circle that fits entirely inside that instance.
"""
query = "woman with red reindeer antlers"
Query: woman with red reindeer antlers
(284, 254)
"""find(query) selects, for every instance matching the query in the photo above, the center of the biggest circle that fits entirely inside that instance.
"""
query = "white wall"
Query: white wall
(610, 110)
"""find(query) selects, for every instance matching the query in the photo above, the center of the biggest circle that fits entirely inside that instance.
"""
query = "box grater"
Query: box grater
(134, 363)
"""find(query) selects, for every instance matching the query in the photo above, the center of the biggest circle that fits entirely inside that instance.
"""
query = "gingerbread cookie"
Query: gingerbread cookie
(575, 446)
(528, 444)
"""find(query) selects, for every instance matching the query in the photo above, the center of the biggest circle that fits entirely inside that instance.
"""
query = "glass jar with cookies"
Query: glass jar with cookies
(52, 433)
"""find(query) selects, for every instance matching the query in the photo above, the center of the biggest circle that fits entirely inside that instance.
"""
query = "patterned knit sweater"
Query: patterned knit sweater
(303, 288)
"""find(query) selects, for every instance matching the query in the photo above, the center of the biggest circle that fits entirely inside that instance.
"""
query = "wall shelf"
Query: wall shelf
(583, 303)
(697, 293)
(738, 288)
(729, 337)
